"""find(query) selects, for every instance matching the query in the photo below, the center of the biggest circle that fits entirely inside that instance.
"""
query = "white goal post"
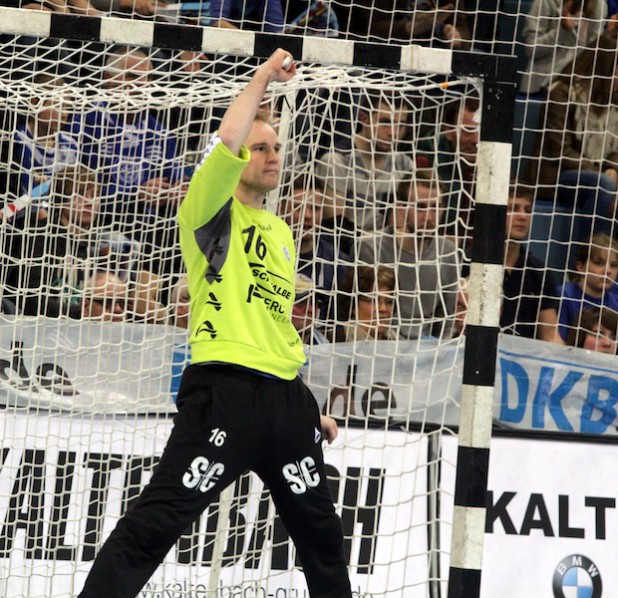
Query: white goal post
(86, 405)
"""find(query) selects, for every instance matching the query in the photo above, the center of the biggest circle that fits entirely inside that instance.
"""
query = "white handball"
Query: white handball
(287, 63)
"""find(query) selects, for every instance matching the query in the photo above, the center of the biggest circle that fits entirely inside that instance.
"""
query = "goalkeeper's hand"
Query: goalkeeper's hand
(281, 65)
(329, 428)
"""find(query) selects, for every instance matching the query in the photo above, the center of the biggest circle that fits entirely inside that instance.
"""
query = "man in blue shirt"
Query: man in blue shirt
(134, 153)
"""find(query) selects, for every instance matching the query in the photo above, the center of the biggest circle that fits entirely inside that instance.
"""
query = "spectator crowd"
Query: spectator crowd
(382, 219)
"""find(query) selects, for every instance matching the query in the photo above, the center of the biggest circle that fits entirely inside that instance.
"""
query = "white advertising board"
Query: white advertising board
(64, 481)
(552, 518)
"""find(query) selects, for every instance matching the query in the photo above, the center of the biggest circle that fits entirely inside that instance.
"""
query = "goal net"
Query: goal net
(99, 140)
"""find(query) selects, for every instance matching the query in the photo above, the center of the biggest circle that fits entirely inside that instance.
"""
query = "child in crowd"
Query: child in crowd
(596, 331)
(593, 282)
(367, 305)
(305, 311)
(42, 147)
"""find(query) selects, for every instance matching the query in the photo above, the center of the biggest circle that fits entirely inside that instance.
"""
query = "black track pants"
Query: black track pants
(230, 420)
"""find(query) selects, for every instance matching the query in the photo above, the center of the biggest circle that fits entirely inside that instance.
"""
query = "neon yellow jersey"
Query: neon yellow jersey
(240, 270)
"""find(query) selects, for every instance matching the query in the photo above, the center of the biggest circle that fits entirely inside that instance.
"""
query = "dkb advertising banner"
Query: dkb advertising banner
(539, 386)
(65, 480)
(81, 367)
(552, 518)
(543, 386)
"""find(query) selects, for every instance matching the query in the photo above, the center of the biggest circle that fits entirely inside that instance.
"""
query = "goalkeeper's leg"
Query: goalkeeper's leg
(191, 473)
(293, 469)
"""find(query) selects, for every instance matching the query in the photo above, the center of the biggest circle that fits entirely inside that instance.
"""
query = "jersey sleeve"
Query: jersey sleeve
(213, 183)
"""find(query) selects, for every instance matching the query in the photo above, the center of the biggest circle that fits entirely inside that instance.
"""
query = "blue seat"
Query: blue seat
(553, 228)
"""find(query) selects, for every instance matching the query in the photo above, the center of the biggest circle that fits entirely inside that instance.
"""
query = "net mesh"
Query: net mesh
(100, 143)
(87, 403)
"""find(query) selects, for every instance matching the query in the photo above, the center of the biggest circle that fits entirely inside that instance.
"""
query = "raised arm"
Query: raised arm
(239, 117)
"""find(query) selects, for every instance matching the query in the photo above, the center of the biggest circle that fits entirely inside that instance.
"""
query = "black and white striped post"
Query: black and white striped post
(498, 76)
(482, 324)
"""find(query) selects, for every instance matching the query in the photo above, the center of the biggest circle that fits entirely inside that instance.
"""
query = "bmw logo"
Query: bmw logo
(576, 576)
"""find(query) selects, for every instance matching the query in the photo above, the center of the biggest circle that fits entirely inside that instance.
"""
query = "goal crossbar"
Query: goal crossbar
(411, 57)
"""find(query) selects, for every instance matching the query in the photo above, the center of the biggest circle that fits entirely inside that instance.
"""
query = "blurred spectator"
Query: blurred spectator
(454, 157)
(612, 15)
(366, 305)
(42, 147)
(431, 22)
(317, 257)
(48, 254)
(426, 263)
(144, 8)
(596, 331)
(105, 298)
(555, 32)
(362, 177)
(440, 23)
(135, 154)
(461, 308)
(530, 307)
(596, 268)
(137, 159)
(304, 311)
(110, 298)
(312, 17)
(80, 7)
(47, 54)
(179, 303)
(579, 154)
(256, 15)
(184, 60)
(144, 305)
